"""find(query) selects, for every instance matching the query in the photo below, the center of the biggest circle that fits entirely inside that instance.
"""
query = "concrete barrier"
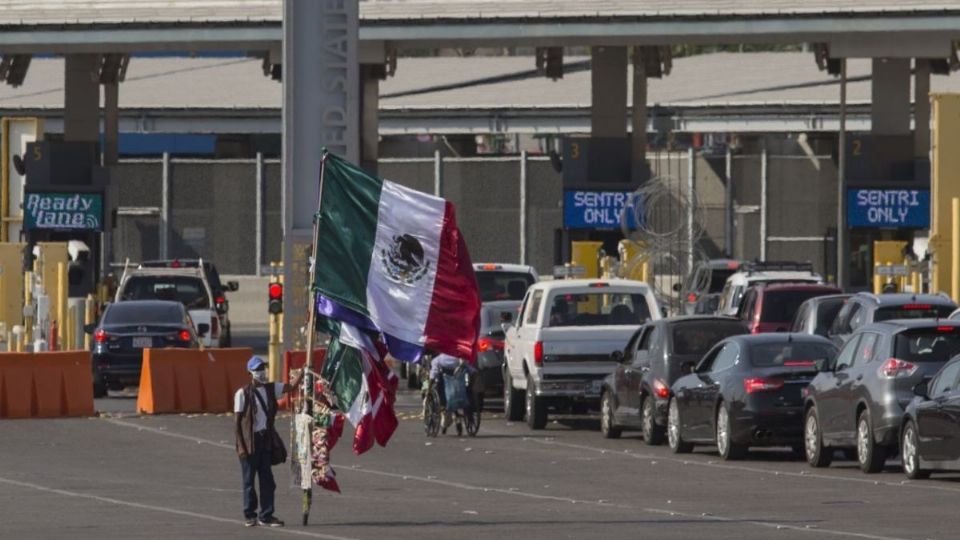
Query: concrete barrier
(191, 381)
(46, 385)
(295, 360)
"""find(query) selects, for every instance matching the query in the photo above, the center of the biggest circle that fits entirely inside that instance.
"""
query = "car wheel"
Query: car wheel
(818, 455)
(674, 438)
(99, 388)
(608, 427)
(728, 449)
(652, 433)
(512, 399)
(870, 455)
(536, 408)
(910, 452)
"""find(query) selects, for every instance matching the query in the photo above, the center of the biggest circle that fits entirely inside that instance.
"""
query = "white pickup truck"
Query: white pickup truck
(558, 349)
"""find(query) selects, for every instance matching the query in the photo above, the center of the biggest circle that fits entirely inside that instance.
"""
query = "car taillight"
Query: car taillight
(100, 336)
(760, 384)
(661, 390)
(184, 335)
(220, 300)
(538, 353)
(895, 367)
(489, 344)
(692, 297)
(917, 307)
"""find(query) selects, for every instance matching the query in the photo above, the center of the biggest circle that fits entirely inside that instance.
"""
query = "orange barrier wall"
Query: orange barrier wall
(46, 385)
(191, 381)
(295, 360)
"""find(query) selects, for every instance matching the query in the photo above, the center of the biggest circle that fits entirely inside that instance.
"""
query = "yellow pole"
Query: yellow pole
(61, 302)
(877, 280)
(915, 275)
(27, 302)
(88, 306)
(955, 251)
(645, 272)
(70, 343)
(272, 353)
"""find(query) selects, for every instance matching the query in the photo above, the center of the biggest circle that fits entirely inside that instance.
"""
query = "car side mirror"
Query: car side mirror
(233, 286)
(687, 368)
(202, 329)
(617, 356)
(506, 317)
(89, 328)
(921, 389)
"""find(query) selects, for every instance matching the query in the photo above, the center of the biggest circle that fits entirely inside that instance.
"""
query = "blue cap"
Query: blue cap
(255, 363)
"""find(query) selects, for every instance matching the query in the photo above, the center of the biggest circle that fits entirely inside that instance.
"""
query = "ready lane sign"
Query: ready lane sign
(594, 209)
(75, 211)
(891, 208)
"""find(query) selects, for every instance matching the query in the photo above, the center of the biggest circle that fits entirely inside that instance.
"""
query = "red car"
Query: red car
(771, 307)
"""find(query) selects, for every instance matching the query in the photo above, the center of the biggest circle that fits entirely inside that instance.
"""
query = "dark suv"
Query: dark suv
(770, 307)
(864, 308)
(858, 401)
(637, 393)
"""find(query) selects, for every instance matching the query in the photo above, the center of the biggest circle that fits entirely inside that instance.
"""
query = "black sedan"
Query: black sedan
(635, 395)
(127, 328)
(930, 435)
(746, 392)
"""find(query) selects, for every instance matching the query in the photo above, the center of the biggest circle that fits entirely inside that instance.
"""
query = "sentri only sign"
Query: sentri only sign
(77, 211)
(893, 208)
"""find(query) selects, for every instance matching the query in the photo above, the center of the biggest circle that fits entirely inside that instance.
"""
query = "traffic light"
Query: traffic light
(275, 292)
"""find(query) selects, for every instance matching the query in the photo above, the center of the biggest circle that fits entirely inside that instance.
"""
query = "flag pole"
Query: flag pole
(307, 381)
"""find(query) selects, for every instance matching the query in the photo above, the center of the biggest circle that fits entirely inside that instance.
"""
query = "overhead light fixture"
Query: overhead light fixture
(13, 68)
(550, 62)
(112, 68)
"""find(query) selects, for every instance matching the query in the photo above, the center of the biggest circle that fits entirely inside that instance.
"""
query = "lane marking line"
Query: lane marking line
(163, 509)
(518, 493)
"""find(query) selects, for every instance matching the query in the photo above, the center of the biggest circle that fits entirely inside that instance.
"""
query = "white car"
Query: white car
(186, 285)
(754, 273)
(501, 281)
(557, 352)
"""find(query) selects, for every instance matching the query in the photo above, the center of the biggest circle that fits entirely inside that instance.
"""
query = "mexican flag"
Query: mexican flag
(364, 386)
(391, 259)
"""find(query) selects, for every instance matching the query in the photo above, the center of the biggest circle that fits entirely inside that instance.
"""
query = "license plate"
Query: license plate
(142, 342)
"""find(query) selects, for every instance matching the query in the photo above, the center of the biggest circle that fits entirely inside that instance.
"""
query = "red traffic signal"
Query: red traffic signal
(275, 294)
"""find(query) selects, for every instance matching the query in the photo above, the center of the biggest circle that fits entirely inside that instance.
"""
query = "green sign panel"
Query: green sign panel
(78, 211)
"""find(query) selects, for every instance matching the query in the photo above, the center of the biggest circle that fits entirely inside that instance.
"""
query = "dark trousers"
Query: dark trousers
(258, 465)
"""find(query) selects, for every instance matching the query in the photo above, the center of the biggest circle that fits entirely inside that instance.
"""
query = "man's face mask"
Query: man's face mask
(260, 376)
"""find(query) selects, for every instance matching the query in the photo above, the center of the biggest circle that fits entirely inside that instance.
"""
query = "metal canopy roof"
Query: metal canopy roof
(142, 25)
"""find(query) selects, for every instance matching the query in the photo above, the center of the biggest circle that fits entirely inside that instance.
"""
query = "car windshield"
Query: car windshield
(718, 278)
(781, 306)
(137, 313)
(827, 313)
(500, 285)
(597, 309)
(697, 337)
(790, 354)
(928, 345)
(913, 311)
(187, 290)
(492, 317)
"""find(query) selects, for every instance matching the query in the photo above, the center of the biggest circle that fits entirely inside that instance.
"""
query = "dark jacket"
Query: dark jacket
(244, 429)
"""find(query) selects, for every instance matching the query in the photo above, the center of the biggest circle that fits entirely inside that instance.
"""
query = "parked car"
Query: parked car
(636, 394)
(816, 315)
(859, 401)
(185, 285)
(217, 287)
(746, 392)
(493, 316)
(930, 432)
(498, 281)
(707, 279)
(126, 328)
(770, 307)
(864, 308)
(757, 272)
(558, 351)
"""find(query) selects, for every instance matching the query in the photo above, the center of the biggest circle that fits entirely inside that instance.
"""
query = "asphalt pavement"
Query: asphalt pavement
(126, 476)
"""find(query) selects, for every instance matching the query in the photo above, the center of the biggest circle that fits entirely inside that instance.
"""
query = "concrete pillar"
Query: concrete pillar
(111, 123)
(640, 171)
(81, 115)
(890, 113)
(608, 112)
(921, 109)
(369, 119)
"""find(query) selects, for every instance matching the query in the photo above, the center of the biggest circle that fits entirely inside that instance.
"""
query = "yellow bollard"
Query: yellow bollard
(955, 251)
(88, 308)
(877, 280)
(915, 278)
(28, 301)
(70, 343)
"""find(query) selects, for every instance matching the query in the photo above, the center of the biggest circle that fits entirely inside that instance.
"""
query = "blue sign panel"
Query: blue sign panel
(594, 209)
(908, 208)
